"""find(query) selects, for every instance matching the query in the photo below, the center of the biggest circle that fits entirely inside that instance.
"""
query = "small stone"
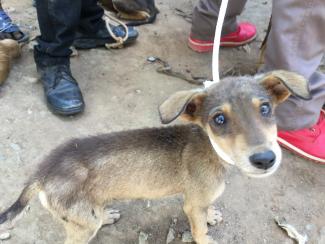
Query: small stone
(170, 235)
(148, 203)
(74, 52)
(187, 237)
(174, 221)
(143, 238)
(310, 227)
(4, 236)
(10, 10)
(15, 147)
(31, 45)
(2, 158)
(151, 59)
(29, 79)
(246, 48)
(138, 91)
(322, 236)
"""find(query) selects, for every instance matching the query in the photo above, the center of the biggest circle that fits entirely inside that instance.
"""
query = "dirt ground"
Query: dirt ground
(122, 91)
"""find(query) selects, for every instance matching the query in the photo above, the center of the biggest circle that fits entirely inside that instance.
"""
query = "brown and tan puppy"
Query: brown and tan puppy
(9, 49)
(232, 123)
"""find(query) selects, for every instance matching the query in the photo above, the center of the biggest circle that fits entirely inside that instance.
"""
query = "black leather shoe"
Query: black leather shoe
(62, 92)
(85, 40)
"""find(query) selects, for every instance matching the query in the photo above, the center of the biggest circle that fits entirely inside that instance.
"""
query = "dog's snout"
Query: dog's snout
(264, 160)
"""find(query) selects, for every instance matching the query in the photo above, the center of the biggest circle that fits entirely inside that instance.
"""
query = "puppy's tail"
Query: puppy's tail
(27, 194)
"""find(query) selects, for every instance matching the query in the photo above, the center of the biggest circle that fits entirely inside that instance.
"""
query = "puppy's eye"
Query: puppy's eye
(219, 119)
(265, 109)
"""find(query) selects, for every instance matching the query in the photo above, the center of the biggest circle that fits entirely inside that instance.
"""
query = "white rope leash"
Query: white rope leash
(216, 45)
(119, 40)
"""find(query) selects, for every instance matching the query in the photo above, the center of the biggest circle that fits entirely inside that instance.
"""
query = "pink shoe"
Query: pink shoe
(245, 33)
(308, 143)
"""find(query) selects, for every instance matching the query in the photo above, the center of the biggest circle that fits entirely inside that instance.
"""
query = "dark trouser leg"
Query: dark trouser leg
(205, 16)
(91, 16)
(58, 21)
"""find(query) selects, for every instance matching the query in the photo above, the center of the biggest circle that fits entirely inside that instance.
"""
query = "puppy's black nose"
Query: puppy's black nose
(263, 160)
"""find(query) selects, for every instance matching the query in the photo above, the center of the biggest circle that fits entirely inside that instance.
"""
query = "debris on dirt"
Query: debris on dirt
(31, 45)
(2, 157)
(4, 236)
(171, 232)
(29, 79)
(74, 52)
(151, 59)
(170, 235)
(187, 237)
(292, 232)
(15, 147)
(231, 71)
(186, 16)
(10, 10)
(310, 227)
(143, 238)
(322, 236)
(166, 69)
(246, 48)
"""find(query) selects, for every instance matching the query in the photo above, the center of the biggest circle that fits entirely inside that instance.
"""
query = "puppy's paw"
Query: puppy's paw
(214, 216)
(111, 216)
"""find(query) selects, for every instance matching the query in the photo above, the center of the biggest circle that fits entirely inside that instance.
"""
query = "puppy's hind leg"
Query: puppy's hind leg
(77, 234)
(83, 228)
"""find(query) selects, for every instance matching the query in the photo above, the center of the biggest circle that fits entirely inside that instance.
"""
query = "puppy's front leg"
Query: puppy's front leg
(197, 216)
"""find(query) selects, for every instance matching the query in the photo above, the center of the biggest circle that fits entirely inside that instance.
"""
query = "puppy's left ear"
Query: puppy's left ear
(281, 84)
(185, 104)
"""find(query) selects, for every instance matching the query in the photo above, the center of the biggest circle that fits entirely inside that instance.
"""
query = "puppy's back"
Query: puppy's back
(118, 164)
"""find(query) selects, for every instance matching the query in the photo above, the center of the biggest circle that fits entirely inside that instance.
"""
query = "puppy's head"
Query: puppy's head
(238, 116)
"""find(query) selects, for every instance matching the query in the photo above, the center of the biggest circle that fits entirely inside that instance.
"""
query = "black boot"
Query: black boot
(62, 92)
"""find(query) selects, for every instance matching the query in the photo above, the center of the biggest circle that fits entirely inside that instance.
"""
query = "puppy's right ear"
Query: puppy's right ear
(183, 103)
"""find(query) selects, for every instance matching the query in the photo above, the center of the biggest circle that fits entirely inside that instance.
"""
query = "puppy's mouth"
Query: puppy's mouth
(263, 174)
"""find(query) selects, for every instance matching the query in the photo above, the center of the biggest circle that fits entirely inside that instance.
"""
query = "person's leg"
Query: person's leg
(297, 43)
(9, 30)
(92, 31)
(58, 21)
(91, 16)
(205, 16)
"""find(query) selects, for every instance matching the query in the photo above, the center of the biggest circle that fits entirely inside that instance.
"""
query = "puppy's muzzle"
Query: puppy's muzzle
(264, 160)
